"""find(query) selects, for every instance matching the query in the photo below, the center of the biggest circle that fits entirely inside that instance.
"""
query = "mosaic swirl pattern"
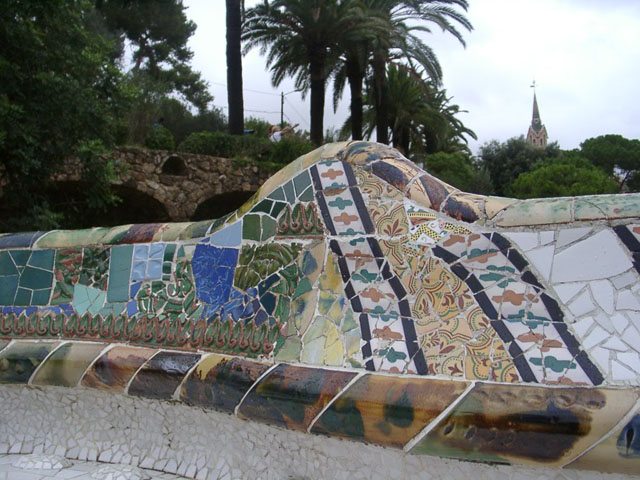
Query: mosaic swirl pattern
(359, 297)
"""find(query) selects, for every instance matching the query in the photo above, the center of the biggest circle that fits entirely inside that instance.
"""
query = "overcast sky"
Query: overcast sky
(583, 54)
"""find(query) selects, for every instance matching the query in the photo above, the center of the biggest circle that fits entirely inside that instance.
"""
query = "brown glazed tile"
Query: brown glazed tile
(160, 377)
(619, 453)
(113, 370)
(220, 382)
(291, 397)
(527, 425)
(65, 366)
(387, 410)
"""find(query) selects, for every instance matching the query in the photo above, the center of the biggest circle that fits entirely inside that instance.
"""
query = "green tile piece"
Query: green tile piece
(264, 206)
(307, 195)
(36, 279)
(23, 297)
(7, 267)
(277, 208)
(20, 257)
(302, 181)
(119, 273)
(42, 259)
(289, 192)
(251, 227)
(277, 194)
(268, 227)
(169, 250)
(8, 286)
(41, 297)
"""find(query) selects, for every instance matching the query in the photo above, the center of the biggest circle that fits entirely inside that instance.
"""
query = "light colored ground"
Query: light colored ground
(77, 470)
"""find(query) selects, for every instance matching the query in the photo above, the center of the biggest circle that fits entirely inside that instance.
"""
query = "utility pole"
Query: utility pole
(281, 109)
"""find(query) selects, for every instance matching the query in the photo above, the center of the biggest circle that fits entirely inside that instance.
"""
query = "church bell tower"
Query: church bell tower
(537, 134)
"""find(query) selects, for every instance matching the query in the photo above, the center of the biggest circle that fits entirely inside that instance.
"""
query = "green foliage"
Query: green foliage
(160, 138)
(259, 126)
(505, 161)
(217, 144)
(287, 150)
(454, 168)
(246, 148)
(616, 154)
(565, 176)
(458, 170)
(61, 95)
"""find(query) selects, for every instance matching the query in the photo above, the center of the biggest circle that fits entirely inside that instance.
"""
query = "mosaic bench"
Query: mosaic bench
(354, 296)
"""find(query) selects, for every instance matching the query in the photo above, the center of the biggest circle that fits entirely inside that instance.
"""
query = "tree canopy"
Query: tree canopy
(564, 176)
(615, 155)
(61, 95)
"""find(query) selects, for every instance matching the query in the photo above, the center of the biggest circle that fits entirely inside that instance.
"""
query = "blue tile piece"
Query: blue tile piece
(154, 269)
(138, 272)
(134, 289)
(230, 236)
(213, 269)
(132, 308)
(156, 250)
(141, 252)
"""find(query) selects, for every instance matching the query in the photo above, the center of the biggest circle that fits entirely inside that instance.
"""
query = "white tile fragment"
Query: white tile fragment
(566, 291)
(627, 301)
(614, 343)
(597, 335)
(581, 327)
(582, 304)
(524, 240)
(603, 293)
(570, 235)
(624, 280)
(546, 237)
(620, 322)
(598, 256)
(621, 373)
(542, 258)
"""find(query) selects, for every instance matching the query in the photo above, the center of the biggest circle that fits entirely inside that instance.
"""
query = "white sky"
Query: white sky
(583, 54)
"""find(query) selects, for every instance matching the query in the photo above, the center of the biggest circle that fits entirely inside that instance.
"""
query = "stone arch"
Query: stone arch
(219, 205)
(68, 196)
(174, 165)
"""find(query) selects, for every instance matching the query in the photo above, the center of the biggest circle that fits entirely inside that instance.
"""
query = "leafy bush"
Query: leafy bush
(248, 147)
(288, 149)
(562, 177)
(216, 144)
(160, 138)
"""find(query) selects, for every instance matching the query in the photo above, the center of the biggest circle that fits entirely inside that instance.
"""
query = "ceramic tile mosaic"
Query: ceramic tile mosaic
(354, 296)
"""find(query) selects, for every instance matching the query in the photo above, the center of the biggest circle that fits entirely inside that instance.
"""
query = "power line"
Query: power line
(298, 113)
(248, 89)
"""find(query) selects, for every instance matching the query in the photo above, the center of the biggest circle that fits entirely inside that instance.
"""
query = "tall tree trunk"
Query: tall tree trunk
(234, 67)
(318, 81)
(356, 79)
(381, 98)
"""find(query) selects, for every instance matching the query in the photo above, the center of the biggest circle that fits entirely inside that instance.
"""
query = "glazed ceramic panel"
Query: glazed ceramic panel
(291, 397)
(386, 410)
(220, 382)
(19, 360)
(517, 424)
(67, 364)
(162, 374)
(114, 368)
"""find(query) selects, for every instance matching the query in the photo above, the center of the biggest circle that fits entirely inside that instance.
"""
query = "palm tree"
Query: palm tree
(298, 37)
(402, 41)
(422, 119)
(234, 67)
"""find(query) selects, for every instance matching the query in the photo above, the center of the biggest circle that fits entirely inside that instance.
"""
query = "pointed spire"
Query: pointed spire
(536, 113)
